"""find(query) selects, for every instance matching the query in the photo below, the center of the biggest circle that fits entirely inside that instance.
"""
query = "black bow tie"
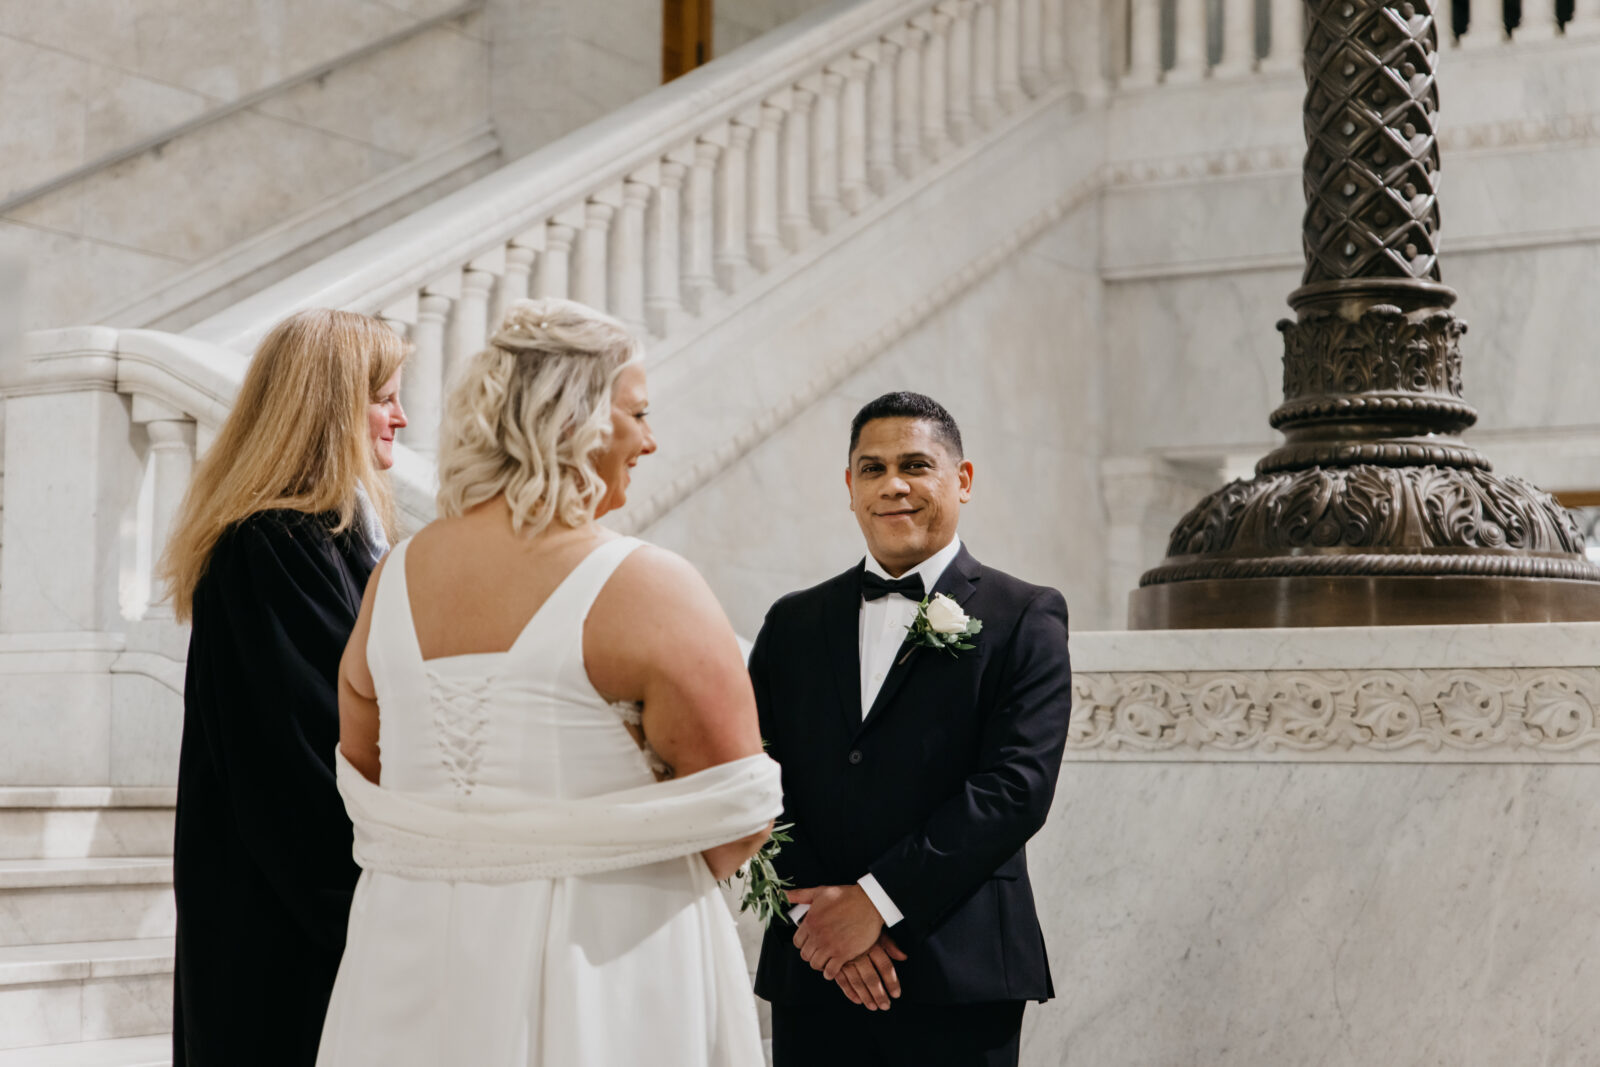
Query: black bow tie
(876, 587)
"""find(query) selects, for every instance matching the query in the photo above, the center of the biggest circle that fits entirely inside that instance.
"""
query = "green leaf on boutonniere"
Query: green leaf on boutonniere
(940, 624)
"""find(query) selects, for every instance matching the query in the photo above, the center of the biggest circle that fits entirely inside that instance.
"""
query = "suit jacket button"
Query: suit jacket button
(855, 756)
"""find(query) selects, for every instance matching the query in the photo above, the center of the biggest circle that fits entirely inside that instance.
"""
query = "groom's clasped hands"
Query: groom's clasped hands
(841, 934)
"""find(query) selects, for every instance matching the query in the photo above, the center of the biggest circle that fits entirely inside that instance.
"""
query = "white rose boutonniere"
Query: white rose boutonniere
(941, 624)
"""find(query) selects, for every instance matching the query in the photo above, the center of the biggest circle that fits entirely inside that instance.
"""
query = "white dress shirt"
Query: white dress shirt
(880, 633)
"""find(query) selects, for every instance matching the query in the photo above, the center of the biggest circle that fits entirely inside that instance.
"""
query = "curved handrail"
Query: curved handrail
(206, 118)
(395, 261)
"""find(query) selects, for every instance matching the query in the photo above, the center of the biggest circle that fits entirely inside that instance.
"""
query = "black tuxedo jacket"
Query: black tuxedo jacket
(935, 792)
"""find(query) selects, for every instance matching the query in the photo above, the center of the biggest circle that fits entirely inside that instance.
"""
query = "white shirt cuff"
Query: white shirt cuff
(880, 900)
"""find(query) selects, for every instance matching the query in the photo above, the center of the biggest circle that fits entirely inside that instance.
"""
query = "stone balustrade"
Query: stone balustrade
(675, 208)
(1177, 42)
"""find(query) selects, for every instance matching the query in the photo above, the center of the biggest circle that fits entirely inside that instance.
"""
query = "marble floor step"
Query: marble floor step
(152, 1051)
(75, 821)
(93, 991)
(108, 898)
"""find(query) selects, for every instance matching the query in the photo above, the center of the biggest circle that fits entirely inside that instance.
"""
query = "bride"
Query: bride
(533, 893)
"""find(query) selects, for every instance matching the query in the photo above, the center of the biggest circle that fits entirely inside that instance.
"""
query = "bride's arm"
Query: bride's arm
(358, 701)
(657, 634)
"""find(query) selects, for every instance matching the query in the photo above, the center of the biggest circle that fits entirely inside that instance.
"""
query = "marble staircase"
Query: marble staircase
(86, 925)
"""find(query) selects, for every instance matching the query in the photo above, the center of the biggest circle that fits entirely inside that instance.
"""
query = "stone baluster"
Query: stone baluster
(1486, 25)
(1030, 58)
(1238, 39)
(908, 100)
(935, 29)
(985, 90)
(823, 157)
(794, 171)
(766, 247)
(521, 251)
(553, 274)
(1189, 47)
(1585, 19)
(1007, 54)
(625, 267)
(1144, 43)
(401, 316)
(958, 67)
(854, 191)
(589, 270)
(663, 231)
(1286, 27)
(1097, 32)
(699, 222)
(881, 164)
(1538, 23)
(732, 258)
(1052, 36)
(172, 452)
(423, 382)
(469, 324)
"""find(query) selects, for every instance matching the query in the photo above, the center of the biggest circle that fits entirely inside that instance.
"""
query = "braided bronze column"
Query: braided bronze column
(1373, 511)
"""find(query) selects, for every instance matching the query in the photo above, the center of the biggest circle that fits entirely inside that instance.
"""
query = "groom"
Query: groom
(913, 776)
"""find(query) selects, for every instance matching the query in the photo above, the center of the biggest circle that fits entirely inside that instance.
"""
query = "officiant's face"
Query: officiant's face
(906, 489)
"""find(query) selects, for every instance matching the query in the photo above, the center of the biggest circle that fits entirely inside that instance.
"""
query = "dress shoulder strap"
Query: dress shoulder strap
(570, 604)
(392, 638)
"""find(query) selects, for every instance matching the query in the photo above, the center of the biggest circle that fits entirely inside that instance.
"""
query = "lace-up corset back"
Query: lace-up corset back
(494, 729)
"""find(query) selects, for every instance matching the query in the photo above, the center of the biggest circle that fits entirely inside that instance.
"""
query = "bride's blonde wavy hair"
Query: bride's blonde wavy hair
(528, 413)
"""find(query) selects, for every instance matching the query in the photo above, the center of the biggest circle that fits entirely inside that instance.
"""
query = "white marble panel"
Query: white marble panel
(146, 728)
(1197, 361)
(44, 94)
(73, 914)
(434, 88)
(215, 187)
(31, 833)
(46, 1014)
(56, 727)
(127, 1006)
(1273, 914)
(65, 277)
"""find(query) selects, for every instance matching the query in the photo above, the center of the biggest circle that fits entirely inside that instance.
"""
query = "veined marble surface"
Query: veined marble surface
(1265, 915)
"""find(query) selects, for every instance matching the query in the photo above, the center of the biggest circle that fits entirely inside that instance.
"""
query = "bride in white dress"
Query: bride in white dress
(531, 894)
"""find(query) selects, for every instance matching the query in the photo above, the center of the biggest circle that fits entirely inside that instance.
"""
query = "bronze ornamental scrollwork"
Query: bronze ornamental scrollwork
(1373, 510)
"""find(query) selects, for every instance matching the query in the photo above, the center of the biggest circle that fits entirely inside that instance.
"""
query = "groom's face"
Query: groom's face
(906, 489)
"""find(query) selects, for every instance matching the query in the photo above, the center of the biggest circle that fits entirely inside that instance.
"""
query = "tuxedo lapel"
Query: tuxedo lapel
(958, 582)
(842, 630)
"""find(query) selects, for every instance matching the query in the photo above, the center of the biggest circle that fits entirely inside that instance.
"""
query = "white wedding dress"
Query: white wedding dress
(530, 895)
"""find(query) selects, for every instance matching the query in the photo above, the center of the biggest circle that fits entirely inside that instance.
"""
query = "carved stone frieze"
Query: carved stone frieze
(1506, 714)
(1409, 509)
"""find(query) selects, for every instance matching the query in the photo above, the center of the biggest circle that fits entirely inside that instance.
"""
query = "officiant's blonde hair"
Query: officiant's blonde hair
(528, 413)
(297, 438)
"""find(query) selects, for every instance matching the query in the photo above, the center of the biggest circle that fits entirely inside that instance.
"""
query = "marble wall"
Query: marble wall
(556, 65)
(81, 79)
(1269, 913)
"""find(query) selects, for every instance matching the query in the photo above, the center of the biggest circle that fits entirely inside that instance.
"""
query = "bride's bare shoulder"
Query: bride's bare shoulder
(656, 578)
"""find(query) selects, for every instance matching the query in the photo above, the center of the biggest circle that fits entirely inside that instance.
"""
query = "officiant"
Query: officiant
(288, 512)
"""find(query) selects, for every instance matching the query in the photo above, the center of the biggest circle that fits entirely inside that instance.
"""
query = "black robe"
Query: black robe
(262, 866)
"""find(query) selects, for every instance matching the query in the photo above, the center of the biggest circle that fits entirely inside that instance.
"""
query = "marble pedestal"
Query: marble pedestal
(1339, 847)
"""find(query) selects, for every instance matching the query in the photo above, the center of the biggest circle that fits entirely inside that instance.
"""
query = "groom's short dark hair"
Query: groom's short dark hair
(909, 406)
